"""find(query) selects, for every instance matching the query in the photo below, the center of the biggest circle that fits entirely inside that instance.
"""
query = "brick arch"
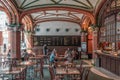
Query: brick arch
(85, 22)
(6, 11)
(11, 10)
(101, 10)
(99, 7)
(27, 21)
(59, 8)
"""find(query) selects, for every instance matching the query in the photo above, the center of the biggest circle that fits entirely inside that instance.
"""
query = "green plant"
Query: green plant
(29, 32)
(82, 30)
(94, 26)
(14, 25)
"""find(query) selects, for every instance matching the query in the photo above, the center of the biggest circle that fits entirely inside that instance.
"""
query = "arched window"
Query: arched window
(3, 32)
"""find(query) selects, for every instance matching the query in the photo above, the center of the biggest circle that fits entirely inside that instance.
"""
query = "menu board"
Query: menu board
(84, 46)
(57, 40)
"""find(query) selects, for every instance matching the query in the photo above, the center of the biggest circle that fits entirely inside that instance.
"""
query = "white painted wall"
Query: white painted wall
(62, 25)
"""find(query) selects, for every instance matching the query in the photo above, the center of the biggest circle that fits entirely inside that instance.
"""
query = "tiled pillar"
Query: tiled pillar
(1, 38)
(83, 37)
(1, 41)
(95, 46)
(14, 40)
(29, 40)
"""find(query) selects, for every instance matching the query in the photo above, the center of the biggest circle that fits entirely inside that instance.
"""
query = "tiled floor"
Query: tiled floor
(107, 73)
(86, 62)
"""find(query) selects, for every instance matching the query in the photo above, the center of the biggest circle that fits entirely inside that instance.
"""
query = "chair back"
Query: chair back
(51, 72)
(86, 73)
(41, 67)
(21, 75)
(81, 68)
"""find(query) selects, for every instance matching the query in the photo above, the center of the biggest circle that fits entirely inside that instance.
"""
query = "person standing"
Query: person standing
(52, 57)
(9, 54)
(45, 49)
(24, 55)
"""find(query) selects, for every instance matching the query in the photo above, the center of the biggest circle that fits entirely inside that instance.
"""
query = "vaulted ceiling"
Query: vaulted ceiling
(88, 5)
(46, 10)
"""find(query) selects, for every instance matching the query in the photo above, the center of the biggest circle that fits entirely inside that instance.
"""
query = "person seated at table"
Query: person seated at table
(68, 55)
(9, 54)
(75, 54)
(24, 55)
(31, 53)
(52, 57)
(45, 49)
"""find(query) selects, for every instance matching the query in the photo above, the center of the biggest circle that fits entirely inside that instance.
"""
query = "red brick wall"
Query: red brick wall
(1, 38)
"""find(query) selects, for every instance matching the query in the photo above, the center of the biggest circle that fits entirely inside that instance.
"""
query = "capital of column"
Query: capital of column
(14, 26)
(28, 32)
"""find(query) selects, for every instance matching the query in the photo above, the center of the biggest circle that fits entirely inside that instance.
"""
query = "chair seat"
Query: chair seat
(37, 69)
(57, 78)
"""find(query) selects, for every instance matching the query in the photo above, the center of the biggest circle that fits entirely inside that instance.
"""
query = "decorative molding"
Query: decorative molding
(13, 25)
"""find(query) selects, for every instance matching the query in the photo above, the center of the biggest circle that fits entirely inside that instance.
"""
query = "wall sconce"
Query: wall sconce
(57, 29)
(47, 29)
(37, 29)
(76, 30)
(67, 30)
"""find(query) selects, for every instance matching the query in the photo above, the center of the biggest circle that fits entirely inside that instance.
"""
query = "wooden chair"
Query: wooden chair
(85, 74)
(81, 69)
(52, 74)
(22, 75)
(40, 69)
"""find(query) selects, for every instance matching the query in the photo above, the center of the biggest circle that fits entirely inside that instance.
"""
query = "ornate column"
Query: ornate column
(1, 41)
(14, 40)
(95, 45)
(28, 39)
(95, 36)
(83, 36)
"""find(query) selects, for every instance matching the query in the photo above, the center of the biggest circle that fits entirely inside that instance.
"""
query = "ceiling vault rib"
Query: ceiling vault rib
(22, 3)
(14, 11)
(10, 10)
(29, 3)
(74, 15)
(90, 3)
(56, 2)
(82, 3)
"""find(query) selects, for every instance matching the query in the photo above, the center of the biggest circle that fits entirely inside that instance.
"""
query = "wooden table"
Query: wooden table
(30, 68)
(14, 71)
(69, 71)
(37, 57)
(60, 58)
(27, 63)
(64, 64)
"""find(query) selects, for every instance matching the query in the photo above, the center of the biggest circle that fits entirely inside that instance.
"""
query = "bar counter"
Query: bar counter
(109, 62)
